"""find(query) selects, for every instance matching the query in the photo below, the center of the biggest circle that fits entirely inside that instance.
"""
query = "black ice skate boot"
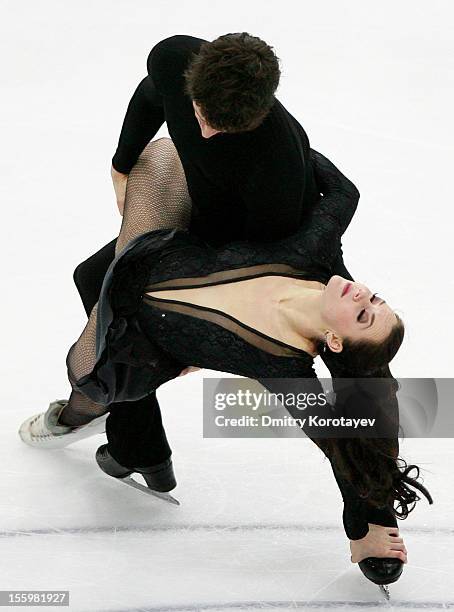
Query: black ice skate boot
(382, 571)
(160, 478)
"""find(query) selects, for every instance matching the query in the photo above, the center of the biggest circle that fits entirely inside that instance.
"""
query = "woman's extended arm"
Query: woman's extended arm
(340, 196)
(355, 511)
(319, 236)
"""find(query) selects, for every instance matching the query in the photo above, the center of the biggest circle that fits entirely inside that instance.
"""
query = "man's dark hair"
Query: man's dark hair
(232, 79)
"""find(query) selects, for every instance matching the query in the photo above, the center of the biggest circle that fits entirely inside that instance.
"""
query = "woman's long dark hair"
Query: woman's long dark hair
(372, 465)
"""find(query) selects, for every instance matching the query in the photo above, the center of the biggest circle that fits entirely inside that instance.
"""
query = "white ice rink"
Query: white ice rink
(259, 526)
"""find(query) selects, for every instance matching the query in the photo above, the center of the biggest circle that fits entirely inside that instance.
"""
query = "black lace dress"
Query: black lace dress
(132, 361)
(142, 342)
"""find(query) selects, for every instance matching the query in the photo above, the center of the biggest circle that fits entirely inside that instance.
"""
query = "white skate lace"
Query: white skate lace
(40, 431)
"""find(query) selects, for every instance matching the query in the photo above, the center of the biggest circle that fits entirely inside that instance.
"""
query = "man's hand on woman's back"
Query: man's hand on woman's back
(119, 182)
(188, 370)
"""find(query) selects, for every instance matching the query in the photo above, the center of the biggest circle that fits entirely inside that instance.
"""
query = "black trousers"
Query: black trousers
(127, 419)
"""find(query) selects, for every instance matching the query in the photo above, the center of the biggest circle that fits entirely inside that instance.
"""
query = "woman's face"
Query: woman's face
(352, 311)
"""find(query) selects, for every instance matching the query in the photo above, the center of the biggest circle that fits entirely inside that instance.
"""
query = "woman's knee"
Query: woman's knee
(83, 273)
(91, 271)
(79, 275)
(156, 153)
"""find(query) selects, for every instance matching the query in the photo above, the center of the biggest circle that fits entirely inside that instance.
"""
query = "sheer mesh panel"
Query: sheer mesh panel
(229, 321)
(156, 198)
(226, 276)
(252, 336)
(83, 352)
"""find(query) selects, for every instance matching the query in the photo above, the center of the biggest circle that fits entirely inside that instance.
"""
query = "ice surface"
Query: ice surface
(259, 526)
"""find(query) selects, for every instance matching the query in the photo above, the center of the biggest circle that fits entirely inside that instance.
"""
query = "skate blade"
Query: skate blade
(385, 590)
(136, 485)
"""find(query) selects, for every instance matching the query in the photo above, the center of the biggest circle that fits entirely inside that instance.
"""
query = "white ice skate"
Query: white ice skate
(42, 430)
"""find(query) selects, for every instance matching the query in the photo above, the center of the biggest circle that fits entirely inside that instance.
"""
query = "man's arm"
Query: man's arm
(144, 117)
(165, 66)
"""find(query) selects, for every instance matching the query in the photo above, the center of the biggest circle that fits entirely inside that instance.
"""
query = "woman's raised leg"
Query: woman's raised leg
(156, 197)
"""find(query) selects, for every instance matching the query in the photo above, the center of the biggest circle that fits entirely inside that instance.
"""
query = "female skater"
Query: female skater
(170, 301)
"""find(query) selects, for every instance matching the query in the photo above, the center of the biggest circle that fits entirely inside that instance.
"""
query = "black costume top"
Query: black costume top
(255, 185)
(131, 362)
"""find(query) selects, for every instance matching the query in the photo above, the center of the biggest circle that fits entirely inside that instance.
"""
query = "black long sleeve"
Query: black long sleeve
(318, 240)
(331, 216)
(355, 513)
(144, 117)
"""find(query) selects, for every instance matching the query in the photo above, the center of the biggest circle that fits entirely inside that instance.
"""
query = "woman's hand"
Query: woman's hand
(119, 182)
(379, 542)
(188, 370)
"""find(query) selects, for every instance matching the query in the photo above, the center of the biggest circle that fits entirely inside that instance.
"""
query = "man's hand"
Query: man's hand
(188, 370)
(119, 182)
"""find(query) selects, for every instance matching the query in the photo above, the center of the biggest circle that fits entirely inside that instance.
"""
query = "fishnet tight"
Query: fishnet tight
(156, 198)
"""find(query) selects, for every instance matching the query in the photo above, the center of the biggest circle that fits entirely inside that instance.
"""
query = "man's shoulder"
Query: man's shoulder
(169, 58)
(179, 41)
(281, 115)
(279, 141)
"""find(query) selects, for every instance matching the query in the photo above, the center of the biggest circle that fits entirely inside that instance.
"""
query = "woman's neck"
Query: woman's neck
(299, 310)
